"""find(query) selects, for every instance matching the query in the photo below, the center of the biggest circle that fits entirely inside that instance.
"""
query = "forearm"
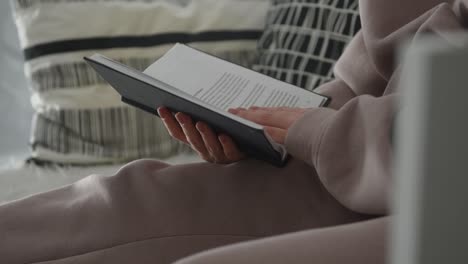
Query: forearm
(350, 149)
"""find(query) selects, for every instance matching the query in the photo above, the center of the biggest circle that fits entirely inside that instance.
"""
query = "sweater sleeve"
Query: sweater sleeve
(349, 144)
(350, 149)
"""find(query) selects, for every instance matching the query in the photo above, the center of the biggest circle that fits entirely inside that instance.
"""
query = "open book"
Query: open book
(205, 87)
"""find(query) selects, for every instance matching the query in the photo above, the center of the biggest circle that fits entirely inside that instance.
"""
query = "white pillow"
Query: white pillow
(78, 117)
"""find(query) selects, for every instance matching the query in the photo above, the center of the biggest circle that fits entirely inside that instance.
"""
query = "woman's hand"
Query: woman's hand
(211, 147)
(221, 148)
(275, 120)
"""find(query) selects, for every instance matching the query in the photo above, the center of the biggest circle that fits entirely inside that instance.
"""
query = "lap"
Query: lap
(148, 199)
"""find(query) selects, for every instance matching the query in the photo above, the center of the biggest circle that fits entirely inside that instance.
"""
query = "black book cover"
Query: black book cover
(146, 93)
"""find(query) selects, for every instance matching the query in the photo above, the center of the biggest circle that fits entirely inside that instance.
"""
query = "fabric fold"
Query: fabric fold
(304, 137)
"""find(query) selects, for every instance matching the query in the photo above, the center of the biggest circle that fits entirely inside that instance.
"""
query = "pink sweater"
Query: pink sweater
(350, 143)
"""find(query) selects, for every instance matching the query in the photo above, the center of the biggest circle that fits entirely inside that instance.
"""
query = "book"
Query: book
(205, 87)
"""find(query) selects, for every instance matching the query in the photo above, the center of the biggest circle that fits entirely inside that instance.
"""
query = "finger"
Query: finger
(234, 110)
(171, 124)
(277, 134)
(211, 141)
(281, 108)
(193, 136)
(231, 151)
(279, 119)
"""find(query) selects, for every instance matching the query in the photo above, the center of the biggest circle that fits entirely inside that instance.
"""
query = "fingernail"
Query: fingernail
(181, 118)
(222, 138)
(200, 127)
(161, 112)
(233, 110)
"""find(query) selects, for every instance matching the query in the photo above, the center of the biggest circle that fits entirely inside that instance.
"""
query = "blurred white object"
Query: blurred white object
(432, 176)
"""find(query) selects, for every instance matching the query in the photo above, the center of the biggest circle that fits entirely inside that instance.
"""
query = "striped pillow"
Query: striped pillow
(304, 38)
(79, 119)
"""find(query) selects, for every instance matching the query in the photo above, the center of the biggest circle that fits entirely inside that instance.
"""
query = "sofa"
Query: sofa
(47, 104)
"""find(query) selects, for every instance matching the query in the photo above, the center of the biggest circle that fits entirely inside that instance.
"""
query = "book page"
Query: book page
(225, 85)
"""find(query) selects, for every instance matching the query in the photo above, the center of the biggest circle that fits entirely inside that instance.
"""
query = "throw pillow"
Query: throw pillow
(79, 119)
(304, 38)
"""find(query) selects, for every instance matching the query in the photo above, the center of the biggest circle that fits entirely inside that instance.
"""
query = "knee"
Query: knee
(141, 165)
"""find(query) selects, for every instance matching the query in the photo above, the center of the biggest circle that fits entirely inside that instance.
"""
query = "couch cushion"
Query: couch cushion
(78, 117)
(304, 38)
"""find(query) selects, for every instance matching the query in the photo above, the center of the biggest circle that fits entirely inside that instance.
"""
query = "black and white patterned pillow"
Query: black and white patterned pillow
(78, 117)
(304, 38)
